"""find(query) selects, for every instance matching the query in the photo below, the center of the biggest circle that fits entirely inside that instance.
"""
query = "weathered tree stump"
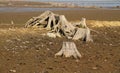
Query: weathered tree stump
(69, 49)
(84, 34)
(59, 26)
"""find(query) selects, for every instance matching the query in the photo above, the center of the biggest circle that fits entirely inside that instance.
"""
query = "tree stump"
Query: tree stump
(84, 34)
(69, 49)
(59, 26)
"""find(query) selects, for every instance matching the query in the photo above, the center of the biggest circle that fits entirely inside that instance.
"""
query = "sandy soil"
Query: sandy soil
(24, 50)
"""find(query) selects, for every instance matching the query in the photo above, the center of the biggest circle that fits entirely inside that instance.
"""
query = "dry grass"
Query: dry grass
(13, 30)
(20, 32)
(105, 23)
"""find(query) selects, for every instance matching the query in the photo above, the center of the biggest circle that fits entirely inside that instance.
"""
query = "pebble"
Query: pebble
(21, 46)
(18, 39)
(27, 41)
(48, 49)
(105, 60)
(50, 43)
(42, 45)
(13, 71)
(110, 44)
(10, 41)
(94, 68)
(105, 32)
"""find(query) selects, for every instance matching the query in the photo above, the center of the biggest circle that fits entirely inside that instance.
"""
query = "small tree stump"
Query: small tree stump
(69, 49)
(84, 34)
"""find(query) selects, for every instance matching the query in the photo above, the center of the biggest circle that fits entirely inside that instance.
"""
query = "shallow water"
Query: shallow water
(102, 3)
(30, 9)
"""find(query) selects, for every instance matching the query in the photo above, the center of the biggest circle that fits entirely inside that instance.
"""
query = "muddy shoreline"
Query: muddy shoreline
(72, 15)
(24, 50)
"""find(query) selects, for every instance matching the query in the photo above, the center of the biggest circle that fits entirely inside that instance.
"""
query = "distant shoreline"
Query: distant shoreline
(15, 13)
(36, 4)
(39, 9)
(71, 15)
(46, 4)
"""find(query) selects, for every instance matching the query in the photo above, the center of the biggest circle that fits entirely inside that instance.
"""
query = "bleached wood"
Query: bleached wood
(61, 27)
(51, 19)
(53, 35)
(69, 49)
(82, 23)
(38, 20)
(82, 33)
(66, 27)
(12, 22)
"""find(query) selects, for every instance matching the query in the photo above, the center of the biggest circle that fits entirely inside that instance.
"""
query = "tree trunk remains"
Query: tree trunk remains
(69, 49)
(58, 25)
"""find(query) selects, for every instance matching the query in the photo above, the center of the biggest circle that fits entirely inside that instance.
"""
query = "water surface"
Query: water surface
(100, 3)
(30, 9)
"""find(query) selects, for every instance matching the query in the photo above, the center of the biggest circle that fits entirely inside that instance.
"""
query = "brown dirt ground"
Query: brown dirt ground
(26, 51)
(72, 15)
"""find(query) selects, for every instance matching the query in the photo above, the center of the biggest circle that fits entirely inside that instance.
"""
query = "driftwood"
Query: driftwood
(59, 26)
(46, 20)
(83, 34)
(69, 49)
(81, 24)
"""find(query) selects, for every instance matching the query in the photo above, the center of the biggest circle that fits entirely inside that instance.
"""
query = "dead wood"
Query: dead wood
(81, 24)
(83, 34)
(59, 26)
(69, 49)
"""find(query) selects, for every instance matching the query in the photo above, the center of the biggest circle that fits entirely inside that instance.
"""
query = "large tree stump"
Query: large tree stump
(46, 19)
(69, 49)
(67, 28)
(59, 26)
